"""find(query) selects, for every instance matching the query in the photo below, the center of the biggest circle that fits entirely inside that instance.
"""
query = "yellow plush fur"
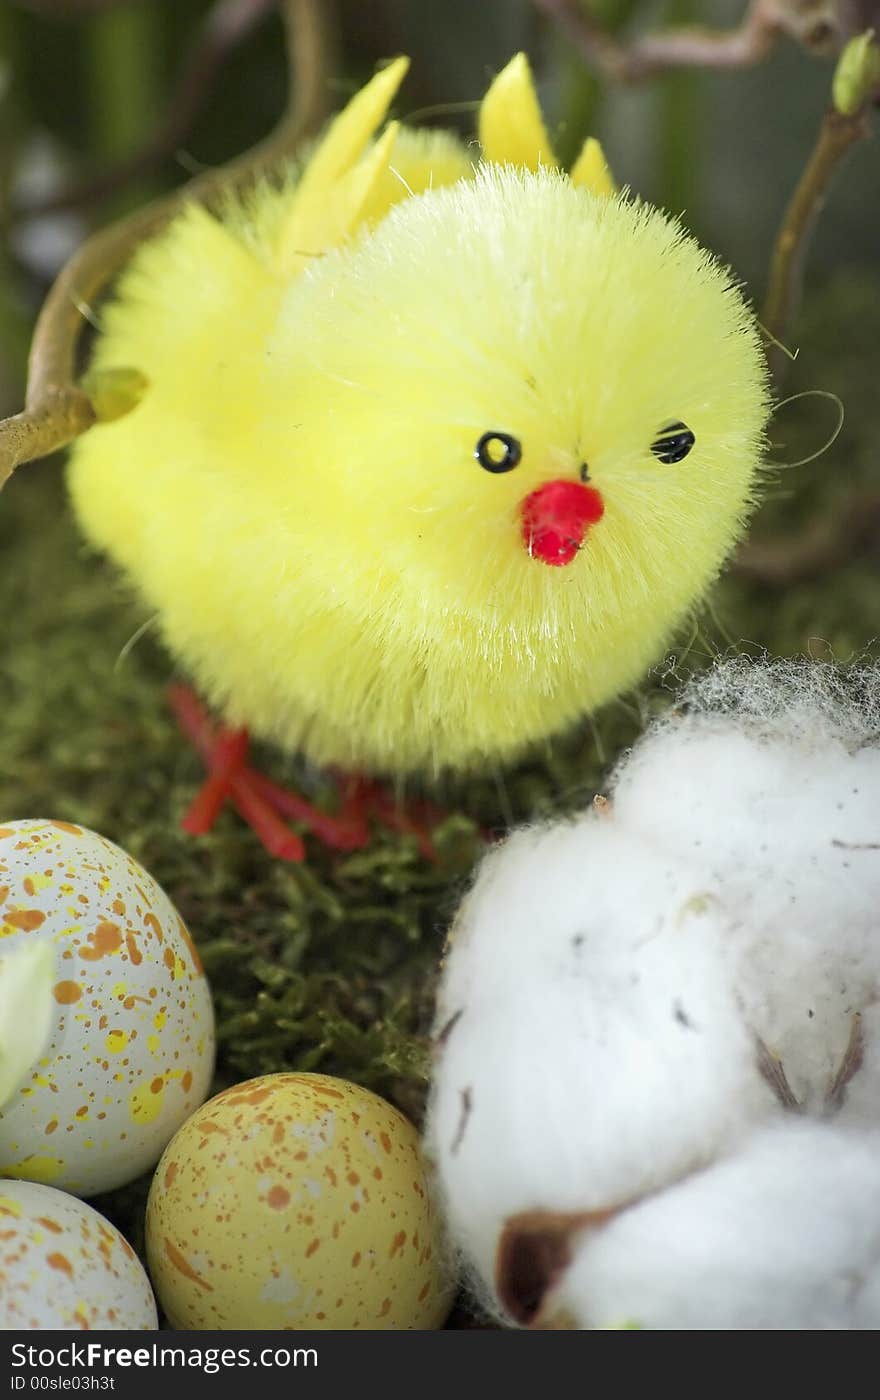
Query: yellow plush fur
(297, 495)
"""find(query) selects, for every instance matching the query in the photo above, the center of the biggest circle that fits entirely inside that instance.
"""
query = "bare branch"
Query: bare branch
(56, 408)
(57, 419)
(819, 25)
(837, 135)
(656, 53)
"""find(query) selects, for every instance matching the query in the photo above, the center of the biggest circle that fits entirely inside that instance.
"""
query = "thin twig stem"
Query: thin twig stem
(687, 47)
(56, 409)
(836, 135)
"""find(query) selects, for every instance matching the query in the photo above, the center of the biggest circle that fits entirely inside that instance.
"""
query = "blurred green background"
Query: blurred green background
(84, 83)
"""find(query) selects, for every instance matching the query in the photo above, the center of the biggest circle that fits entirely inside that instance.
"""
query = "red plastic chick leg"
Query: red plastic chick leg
(261, 803)
(224, 752)
(362, 800)
(366, 799)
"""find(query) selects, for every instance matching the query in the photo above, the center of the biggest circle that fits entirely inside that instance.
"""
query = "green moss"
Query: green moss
(331, 965)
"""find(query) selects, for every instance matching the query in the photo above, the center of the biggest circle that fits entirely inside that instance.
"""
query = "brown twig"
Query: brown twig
(819, 25)
(837, 134)
(225, 27)
(56, 409)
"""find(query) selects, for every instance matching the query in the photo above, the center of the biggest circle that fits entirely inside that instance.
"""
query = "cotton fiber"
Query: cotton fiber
(656, 1015)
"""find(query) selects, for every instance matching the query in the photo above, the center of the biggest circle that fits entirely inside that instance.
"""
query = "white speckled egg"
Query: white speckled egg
(132, 1045)
(296, 1201)
(64, 1267)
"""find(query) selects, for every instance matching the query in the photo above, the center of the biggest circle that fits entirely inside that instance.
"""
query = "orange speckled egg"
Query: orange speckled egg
(296, 1201)
(64, 1267)
(131, 1050)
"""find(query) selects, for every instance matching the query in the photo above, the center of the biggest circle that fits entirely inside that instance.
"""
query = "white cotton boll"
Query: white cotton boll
(706, 779)
(590, 1047)
(506, 877)
(674, 782)
(807, 968)
(631, 1001)
(777, 795)
(744, 733)
(809, 702)
(536, 881)
(785, 1234)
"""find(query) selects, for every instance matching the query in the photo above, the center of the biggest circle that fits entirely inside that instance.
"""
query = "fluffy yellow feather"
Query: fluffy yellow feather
(437, 451)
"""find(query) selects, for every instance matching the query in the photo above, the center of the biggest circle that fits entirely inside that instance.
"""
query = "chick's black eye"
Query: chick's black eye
(673, 443)
(498, 452)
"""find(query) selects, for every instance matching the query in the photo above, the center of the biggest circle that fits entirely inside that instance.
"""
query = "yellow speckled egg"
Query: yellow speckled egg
(132, 1043)
(64, 1267)
(296, 1201)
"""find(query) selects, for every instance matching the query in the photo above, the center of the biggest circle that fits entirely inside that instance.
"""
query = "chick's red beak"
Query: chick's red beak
(556, 517)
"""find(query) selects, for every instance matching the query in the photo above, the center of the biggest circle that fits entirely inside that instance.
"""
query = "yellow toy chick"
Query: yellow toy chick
(437, 450)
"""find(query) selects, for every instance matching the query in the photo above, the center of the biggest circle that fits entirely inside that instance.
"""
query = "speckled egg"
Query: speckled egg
(132, 1044)
(64, 1267)
(296, 1201)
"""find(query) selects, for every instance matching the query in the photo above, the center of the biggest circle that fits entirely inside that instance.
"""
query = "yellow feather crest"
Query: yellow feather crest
(590, 170)
(334, 187)
(512, 131)
(510, 126)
